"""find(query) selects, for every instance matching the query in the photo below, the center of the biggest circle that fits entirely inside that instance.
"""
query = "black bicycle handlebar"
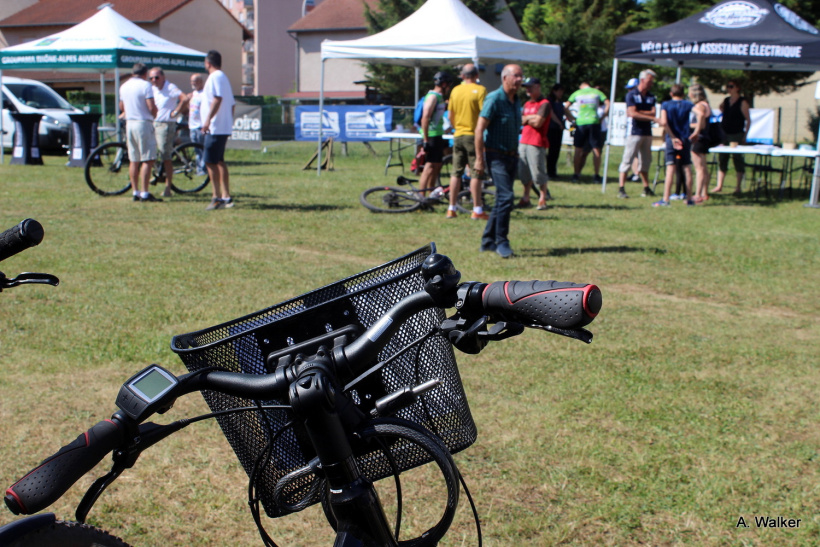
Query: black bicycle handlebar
(19, 238)
(534, 303)
(46, 483)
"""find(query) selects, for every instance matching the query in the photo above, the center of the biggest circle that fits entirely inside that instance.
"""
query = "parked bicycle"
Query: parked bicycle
(391, 199)
(321, 396)
(106, 170)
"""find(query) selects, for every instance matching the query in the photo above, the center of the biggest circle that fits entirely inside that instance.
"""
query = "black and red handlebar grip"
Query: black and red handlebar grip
(19, 238)
(54, 476)
(548, 303)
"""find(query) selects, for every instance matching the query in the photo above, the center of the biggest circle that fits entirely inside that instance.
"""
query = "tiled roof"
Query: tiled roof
(335, 15)
(71, 12)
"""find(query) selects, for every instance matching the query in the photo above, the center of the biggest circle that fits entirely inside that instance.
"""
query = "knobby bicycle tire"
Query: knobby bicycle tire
(186, 178)
(62, 533)
(106, 170)
(385, 199)
(464, 204)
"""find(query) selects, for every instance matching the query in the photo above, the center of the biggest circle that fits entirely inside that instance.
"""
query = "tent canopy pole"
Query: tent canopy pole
(102, 97)
(609, 133)
(321, 119)
(117, 102)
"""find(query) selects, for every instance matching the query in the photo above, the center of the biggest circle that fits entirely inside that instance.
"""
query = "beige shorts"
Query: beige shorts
(637, 145)
(165, 132)
(142, 144)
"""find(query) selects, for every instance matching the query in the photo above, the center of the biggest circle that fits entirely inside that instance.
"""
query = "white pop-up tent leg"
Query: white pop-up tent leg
(321, 119)
(117, 103)
(417, 71)
(609, 133)
(102, 98)
(815, 179)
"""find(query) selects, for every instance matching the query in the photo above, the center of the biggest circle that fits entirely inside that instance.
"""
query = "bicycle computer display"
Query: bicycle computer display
(140, 396)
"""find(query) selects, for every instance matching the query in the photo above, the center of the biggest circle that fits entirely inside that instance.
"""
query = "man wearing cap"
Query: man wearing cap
(465, 104)
(500, 119)
(432, 133)
(532, 147)
(587, 127)
(640, 106)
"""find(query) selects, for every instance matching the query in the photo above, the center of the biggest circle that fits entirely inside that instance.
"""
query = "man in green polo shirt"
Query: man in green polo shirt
(588, 126)
(496, 134)
(432, 131)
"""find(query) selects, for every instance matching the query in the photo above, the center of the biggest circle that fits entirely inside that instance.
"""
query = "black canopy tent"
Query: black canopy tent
(733, 34)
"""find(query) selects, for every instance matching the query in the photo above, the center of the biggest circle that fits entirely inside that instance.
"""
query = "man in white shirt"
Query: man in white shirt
(195, 120)
(169, 100)
(138, 109)
(216, 112)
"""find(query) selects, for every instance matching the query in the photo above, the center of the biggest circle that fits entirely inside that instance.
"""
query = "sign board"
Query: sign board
(761, 131)
(619, 125)
(762, 127)
(247, 128)
(343, 122)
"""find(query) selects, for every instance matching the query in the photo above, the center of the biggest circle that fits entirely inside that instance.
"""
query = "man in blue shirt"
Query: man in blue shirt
(496, 135)
(640, 106)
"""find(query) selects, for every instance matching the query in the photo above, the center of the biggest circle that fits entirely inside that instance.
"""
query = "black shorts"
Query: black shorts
(701, 146)
(214, 148)
(434, 149)
(588, 136)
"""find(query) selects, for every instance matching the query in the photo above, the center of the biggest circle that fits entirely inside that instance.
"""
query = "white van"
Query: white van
(33, 97)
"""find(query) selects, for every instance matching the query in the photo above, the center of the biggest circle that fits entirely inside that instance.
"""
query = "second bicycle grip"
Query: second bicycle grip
(46, 483)
(19, 238)
(547, 303)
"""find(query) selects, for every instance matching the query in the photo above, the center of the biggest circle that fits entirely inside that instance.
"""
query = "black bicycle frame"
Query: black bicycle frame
(353, 501)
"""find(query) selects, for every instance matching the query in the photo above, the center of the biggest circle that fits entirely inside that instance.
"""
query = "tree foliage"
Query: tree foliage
(397, 82)
(586, 31)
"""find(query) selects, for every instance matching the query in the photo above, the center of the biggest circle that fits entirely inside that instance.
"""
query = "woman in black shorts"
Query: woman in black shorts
(700, 140)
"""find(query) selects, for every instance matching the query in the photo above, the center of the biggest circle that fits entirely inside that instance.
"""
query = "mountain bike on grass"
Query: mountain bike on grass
(106, 169)
(392, 199)
(322, 396)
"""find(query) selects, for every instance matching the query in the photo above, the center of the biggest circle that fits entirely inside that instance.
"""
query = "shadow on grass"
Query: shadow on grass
(566, 251)
(305, 208)
(747, 199)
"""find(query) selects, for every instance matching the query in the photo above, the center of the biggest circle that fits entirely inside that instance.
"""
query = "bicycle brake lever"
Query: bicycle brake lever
(27, 278)
(579, 334)
(148, 435)
(474, 338)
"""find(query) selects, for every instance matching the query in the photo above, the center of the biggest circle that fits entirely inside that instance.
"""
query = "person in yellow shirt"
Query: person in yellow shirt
(466, 101)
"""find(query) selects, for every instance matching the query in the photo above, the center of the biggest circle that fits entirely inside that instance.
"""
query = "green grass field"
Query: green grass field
(694, 406)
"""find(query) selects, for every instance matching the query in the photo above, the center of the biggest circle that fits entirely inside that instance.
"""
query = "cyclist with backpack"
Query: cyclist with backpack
(432, 133)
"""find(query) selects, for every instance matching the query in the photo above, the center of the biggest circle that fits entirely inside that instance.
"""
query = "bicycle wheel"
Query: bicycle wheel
(464, 204)
(384, 199)
(72, 534)
(187, 179)
(106, 170)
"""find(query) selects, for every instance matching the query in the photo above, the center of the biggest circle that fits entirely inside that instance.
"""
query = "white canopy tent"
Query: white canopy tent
(104, 41)
(440, 32)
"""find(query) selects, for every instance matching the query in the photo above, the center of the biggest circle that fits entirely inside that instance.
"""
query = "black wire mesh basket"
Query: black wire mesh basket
(259, 342)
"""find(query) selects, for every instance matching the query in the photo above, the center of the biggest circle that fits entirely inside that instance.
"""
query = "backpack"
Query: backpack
(419, 111)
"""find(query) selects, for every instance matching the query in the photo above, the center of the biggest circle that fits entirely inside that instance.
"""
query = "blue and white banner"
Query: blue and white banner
(343, 123)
